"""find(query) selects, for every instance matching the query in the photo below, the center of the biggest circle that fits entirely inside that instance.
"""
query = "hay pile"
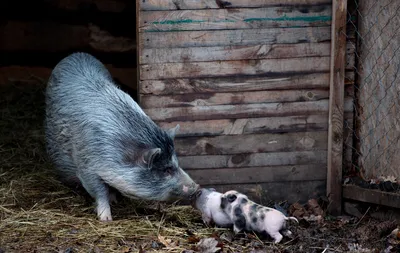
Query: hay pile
(38, 214)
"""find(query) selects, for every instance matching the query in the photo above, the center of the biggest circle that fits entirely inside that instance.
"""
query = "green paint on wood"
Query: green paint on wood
(184, 21)
(286, 18)
(283, 18)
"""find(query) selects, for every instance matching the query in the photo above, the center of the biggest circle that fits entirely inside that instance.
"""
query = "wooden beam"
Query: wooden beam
(371, 196)
(336, 106)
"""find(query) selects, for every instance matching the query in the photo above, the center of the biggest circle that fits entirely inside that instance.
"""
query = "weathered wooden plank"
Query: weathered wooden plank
(371, 196)
(240, 18)
(230, 68)
(234, 37)
(215, 4)
(242, 111)
(151, 101)
(51, 37)
(265, 193)
(229, 53)
(101, 5)
(252, 143)
(336, 107)
(238, 84)
(253, 160)
(303, 123)
(259, 174)
(9, 74)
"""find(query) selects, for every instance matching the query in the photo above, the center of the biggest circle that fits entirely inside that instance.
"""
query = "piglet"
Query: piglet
(208, 202)
(250, 216)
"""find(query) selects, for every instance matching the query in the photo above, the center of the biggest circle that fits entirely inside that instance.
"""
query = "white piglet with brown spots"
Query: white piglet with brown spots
(250, 216)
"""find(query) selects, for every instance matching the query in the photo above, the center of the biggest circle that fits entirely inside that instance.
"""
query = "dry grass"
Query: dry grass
(38, 214)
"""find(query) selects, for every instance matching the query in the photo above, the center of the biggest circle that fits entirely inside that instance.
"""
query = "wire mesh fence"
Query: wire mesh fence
(375, 131)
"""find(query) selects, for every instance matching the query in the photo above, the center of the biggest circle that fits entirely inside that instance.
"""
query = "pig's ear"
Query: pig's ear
(149, 155)
(172, 132)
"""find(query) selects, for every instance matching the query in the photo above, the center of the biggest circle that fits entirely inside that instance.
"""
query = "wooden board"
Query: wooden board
(264, 193)
(242, 111)
(371, 196)
(231, 68)
(234, 37)
(240, 18)
(215, 4)
(255, 143)
(253, 160)
(243, 126)
(249, 175)
(150, 101)
(238, 84)
(50, 36)
(336, 107)
(229, 53)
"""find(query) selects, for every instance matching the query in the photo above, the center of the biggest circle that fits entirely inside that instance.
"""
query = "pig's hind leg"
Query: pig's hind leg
(100, 192)
(275, 235)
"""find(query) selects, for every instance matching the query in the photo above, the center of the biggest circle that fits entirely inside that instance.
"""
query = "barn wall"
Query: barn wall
(35, 35)
(248, 82)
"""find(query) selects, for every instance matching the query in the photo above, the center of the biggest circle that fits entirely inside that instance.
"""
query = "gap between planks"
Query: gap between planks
(245, 126)
(235, 98)
(254, 143)
(243, 111)
(253, 160)
(230, 53)
(238, 83)
(249, 175)
(242, 67)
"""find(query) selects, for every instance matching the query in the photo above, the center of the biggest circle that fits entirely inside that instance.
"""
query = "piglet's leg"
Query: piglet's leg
(100, 192)
(239, 223)
(206, 219)
(276, 236)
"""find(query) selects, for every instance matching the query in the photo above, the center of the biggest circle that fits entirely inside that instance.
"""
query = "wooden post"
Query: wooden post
(336, 103)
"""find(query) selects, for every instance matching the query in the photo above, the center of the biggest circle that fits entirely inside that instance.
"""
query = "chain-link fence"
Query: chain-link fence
(373, 139)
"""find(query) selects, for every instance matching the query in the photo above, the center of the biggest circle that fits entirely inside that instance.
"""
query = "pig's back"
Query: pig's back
(89, 119)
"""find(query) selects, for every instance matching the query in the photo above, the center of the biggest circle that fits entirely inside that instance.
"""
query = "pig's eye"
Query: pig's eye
(168, 171)
(231, 198)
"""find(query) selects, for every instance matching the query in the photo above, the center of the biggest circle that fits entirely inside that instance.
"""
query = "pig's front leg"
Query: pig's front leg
(100, 192)
(239, 223)
(206, 219)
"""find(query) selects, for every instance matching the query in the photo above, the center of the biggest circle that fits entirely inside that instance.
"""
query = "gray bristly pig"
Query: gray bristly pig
(250, 216)
(208, 202)
(98, 136)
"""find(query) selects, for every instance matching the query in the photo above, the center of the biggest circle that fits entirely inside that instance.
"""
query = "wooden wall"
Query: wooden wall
(248, 82)
(35, 35)
(378, 93)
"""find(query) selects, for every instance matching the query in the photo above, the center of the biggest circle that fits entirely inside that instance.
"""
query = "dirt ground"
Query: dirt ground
(38, 214)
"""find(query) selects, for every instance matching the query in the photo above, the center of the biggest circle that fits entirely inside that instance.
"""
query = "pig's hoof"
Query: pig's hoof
(105, 218)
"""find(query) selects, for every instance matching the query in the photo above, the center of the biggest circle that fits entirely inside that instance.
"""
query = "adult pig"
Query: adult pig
(98, 136)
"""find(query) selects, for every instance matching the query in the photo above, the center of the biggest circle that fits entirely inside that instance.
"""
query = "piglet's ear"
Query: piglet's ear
(149, 155)
(172, 132)
(231, 198)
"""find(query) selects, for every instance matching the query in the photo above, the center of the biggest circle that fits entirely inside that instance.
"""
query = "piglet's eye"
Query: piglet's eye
(231, 198)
